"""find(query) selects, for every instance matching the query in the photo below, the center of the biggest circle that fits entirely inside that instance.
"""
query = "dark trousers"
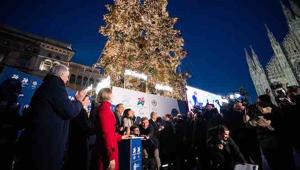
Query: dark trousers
(251, 151)
(278, 155)
(221, 161)
(6, 156)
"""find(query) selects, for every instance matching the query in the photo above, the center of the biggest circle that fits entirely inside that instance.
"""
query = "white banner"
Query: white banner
(142, 103)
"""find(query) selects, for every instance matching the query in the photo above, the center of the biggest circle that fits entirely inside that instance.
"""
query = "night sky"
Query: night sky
(215, 33)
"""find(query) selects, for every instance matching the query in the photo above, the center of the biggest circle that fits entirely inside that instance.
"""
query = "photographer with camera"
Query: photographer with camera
(223, 151)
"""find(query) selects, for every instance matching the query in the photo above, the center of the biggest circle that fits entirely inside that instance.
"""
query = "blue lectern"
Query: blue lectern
(130, 154)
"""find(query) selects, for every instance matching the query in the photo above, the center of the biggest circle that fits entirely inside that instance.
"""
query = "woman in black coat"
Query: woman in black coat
(78, 146)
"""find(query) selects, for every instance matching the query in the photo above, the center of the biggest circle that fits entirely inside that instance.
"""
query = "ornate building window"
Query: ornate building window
(45, 65)
(28, 48)
(298, 67)
(5, 42)
(17, 45)
(55, 63)
(85, 81)
(72, 79)
(79, 80)
(35, 50)
(91, 81)
(24, 61)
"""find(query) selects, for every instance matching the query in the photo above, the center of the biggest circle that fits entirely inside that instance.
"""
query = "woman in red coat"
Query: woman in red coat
(107, 139)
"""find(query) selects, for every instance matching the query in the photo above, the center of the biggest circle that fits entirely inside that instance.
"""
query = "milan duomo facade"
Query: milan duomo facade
(284, 66)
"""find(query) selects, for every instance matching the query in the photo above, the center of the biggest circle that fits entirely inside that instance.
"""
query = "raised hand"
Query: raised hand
(86, 102)
(80, 95)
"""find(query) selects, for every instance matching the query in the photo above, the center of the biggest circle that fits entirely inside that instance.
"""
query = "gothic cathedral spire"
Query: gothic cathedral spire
(287, 13)
(258, 74)
(271, 36)
(295, 8)
(253, 72)
(283, 62)
(250, 62)
(255, 60)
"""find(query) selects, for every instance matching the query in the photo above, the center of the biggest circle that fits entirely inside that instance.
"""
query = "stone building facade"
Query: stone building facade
(36, 55)
(284, 66)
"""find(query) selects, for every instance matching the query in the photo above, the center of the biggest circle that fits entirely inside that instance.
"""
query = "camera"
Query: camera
(223, 142)
(280, 92)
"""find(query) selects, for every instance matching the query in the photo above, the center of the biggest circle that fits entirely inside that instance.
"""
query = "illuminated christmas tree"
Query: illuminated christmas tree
(141, 37)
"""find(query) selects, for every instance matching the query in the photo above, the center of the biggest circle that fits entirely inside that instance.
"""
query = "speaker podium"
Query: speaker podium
(130, 154)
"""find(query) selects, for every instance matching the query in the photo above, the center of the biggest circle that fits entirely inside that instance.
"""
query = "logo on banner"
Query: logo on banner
(136, 166)
(72, 98)
(141, 101)
(25, 82)
(154, 103)
(15, 76)
(34, 85)
(136, 153)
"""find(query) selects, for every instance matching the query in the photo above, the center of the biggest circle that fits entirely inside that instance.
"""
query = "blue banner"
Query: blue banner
(29, 84)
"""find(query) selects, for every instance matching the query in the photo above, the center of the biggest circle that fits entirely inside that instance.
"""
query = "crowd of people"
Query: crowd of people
(55, 133)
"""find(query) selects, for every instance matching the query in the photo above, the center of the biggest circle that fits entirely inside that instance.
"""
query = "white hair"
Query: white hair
(58, 70)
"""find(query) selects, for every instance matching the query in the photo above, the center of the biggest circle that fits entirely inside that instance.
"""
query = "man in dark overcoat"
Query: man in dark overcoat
(49, 115)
